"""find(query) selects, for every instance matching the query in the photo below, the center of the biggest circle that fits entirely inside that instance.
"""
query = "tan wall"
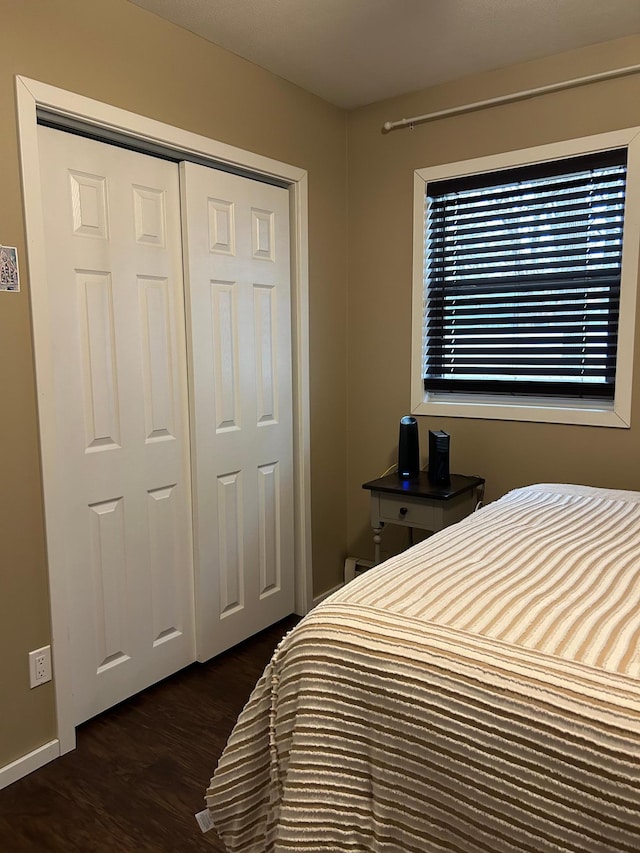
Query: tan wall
(119, 54)
(380, 173)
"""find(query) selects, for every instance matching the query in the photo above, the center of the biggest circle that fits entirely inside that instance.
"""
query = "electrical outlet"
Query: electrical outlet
(40, 666)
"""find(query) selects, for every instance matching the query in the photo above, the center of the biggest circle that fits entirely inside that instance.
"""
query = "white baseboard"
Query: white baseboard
(323, 595)
(28, 763)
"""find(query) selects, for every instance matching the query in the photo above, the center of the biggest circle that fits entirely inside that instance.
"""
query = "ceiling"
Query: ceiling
(355, 52)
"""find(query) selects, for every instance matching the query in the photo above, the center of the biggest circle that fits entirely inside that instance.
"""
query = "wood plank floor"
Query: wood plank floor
(140, 770)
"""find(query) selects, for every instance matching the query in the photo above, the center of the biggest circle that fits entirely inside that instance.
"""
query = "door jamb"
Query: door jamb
(31, 95)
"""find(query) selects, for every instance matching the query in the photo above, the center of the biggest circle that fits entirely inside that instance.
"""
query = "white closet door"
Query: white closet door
(239, 305)
(113, 245)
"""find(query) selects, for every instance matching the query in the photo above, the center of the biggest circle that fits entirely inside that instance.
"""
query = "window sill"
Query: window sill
(542, 410)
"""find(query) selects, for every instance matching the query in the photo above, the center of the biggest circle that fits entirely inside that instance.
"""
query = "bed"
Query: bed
(479, 692)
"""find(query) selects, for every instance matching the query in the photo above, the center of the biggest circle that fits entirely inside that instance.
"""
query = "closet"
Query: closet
(169, 297)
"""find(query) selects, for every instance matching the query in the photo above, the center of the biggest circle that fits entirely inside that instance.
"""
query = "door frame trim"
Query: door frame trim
(33, 95)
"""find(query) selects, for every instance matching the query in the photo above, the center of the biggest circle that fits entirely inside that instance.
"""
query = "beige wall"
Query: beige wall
(380, 174)
(116, 53)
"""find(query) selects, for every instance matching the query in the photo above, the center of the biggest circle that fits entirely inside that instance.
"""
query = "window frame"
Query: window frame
(616, 413)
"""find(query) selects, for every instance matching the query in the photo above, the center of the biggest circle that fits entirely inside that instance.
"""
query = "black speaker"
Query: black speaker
(408, 448)
(439, 442)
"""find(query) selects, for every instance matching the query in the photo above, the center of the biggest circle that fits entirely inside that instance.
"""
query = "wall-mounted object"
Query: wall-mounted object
(9, 273)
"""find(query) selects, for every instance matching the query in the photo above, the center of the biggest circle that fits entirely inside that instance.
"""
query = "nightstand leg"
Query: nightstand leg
(377, 538)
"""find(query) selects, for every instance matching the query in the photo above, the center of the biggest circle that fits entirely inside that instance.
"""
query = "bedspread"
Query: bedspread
(479, 692)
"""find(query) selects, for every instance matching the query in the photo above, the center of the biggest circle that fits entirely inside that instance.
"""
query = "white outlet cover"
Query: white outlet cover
(36, 677)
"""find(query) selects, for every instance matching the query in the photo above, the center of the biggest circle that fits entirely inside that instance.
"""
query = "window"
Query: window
(523, 294)
(523, 279)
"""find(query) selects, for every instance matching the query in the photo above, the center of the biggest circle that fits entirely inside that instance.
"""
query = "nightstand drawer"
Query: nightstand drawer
(401, 509)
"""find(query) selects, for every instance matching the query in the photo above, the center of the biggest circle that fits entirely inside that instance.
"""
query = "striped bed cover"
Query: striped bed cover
(479, 692)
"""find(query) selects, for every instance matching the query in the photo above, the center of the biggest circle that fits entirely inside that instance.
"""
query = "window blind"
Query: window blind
(522, 279)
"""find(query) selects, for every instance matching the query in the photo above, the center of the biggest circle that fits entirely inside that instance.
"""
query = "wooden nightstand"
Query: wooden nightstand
(415, 502)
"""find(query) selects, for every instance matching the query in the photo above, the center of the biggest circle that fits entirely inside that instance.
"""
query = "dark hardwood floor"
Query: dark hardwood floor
(140, 770)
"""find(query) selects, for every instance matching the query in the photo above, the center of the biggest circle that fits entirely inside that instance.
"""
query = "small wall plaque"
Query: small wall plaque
(9, 274)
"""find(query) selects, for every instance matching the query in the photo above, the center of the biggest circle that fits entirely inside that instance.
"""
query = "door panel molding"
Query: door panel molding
(107, 120)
